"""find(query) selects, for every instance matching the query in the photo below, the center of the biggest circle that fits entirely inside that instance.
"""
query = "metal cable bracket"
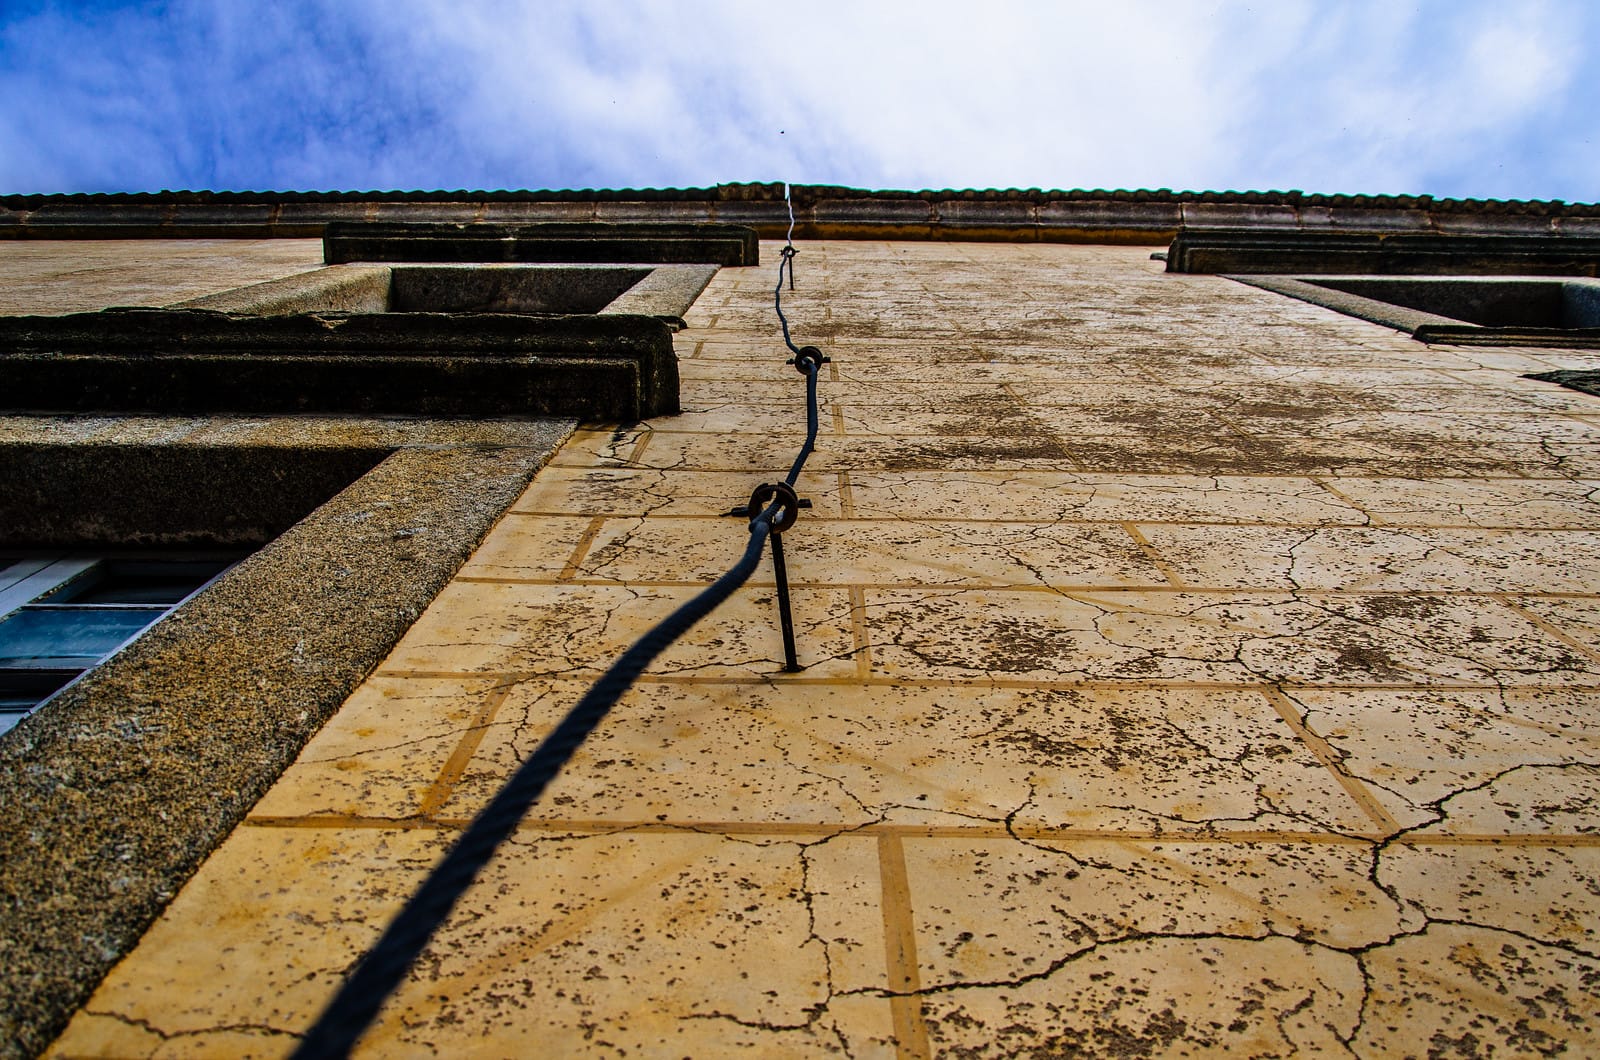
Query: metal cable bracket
(808, 359)
(788, 253)
(783, 495)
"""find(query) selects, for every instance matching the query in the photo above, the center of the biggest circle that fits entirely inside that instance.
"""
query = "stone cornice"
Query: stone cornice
(1141, 217)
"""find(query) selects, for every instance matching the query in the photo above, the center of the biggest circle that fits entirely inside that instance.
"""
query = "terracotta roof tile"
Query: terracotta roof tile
(810, 193)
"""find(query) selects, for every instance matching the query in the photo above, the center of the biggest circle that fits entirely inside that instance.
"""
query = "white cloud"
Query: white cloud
(1517, 67)
(1040, 94)
(1413, 97)
(360, 93)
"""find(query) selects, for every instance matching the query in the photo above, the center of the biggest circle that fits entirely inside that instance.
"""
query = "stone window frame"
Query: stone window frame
(662, 291)
(1291, 262)
(1424, 326)
(188, 360)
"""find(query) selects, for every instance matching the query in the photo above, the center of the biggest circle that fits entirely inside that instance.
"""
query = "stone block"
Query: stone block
(194, 361)
(548, 241)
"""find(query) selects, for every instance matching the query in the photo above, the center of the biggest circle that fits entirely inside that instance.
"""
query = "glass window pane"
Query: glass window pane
(28, 579)
(22, 690)
(70, 633)
(138, 589)
(117, 582)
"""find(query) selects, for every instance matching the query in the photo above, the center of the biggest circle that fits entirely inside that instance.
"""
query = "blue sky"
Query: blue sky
(1459, 98)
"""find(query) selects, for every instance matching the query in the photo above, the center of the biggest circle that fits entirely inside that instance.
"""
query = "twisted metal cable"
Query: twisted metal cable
(809, 360)
(777, 295)
(790, 204)
(786, 264)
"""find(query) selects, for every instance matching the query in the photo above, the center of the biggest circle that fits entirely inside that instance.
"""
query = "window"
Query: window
(1461, 310)
(1479, 290)
(1487, 301)
(61, 615)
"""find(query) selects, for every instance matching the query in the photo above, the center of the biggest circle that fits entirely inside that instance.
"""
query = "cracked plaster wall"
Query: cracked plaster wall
(1188, 670)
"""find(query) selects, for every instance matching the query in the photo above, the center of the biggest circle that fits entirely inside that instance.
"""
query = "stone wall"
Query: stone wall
(1186, 667)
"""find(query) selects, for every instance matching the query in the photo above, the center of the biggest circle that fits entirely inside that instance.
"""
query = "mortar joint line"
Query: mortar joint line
(858, 627)
(1325, 754)
(847, 500)
(1512, 602)
(1153, 555)
(900, 951)
(443, 787)
(580, 550)
(1201, 836)
(636, 458)
(1322, 481)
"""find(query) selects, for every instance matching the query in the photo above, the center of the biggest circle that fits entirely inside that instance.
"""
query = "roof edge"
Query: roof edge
(820, 212)
(801, 194)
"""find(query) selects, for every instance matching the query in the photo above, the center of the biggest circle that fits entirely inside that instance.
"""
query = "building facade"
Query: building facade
(1196, 611)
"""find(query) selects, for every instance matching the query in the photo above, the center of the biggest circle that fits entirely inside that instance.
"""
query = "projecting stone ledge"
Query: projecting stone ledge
(1250, 250)
(551, 241)
(185, 362)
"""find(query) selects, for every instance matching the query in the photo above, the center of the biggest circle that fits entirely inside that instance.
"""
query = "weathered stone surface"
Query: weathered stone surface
(1188, 669)
(335, 289)
(1380, 251)
(143, 492)
(115, 791)
(84, 275)
(587, 241)
(662, 291)
(190, 361)
(1586, 381)
(820, 212)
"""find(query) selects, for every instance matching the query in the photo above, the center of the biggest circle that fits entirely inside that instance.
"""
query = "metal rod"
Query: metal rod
(790, 663)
